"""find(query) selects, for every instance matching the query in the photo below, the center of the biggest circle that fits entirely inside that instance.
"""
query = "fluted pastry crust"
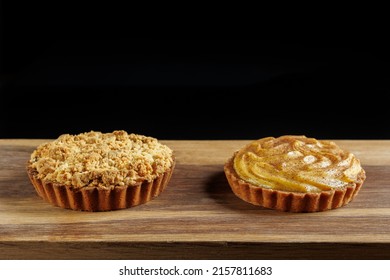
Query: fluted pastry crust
(97, 171)
(99, 199)
(279, 185)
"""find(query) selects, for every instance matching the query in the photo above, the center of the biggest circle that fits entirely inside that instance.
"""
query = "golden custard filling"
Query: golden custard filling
(296, 164)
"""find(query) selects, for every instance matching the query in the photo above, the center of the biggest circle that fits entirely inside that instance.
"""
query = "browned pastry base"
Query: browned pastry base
(97, 199)
(290, 201)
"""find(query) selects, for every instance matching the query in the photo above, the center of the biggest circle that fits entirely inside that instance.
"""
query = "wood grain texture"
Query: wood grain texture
(196, 217)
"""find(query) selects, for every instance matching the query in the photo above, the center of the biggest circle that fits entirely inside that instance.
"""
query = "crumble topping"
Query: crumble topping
(104, 160)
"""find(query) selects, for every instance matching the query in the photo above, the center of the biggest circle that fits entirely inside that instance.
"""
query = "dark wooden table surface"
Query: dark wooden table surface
(196, 217)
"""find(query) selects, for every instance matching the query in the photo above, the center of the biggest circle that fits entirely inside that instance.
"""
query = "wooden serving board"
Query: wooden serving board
(196, 217)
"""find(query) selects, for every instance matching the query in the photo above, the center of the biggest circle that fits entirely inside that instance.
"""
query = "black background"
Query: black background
(190, 88)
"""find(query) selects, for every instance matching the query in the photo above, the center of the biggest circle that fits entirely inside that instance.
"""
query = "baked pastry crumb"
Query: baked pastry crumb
(103, 161)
